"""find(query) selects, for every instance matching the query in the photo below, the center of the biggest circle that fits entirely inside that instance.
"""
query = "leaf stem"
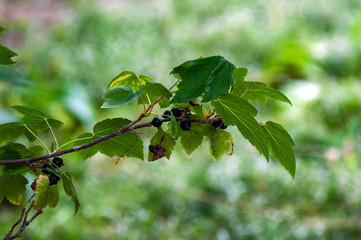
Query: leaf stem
(52, 133)
(41, 142)
(79, 139)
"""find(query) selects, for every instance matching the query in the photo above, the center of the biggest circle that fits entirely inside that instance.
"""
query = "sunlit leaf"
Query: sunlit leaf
(12, 187)
(69, 189)
(211, 76)
(37, 119)
(119, 96)
(47, 195)
(281, 145)
(238, 112)
(128, 78)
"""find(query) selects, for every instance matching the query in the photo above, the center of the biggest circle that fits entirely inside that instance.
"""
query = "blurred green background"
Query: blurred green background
(310, 50)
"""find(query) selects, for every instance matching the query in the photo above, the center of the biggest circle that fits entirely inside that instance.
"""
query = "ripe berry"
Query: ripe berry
(45, 166)
(176, 112)
(58, 161)
(157, 122)
(53, 179)
(185, 126)
(166, 114)
(223, 126)
(217, 124)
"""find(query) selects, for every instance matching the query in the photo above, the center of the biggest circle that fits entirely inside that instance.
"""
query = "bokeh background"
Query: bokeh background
(310, 50)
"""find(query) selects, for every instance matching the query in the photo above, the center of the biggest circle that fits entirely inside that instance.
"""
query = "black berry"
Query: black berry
(176, 112)
(223, 126)
(45, 166)
(185, 126)
(157, 122)
(217, 124)
(166, 114)
(58, 161)
(152, 148)
(53, 179)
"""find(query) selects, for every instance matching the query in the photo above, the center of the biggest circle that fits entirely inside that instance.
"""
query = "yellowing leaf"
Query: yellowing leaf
(129, 78)
(12, 187)
(221, 142)
(47, 195)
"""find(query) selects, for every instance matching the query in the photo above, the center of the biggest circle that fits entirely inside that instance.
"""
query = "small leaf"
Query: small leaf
(47, 195)
(5, 53)
(13, 130)
(239, 74)
(191, 140)
(128, 143)
(119, 96)
(173, 127)
(129, 78)
(236, 111)
(70, 190)
(155, 90)
(281, 145)
(258, 91)
(37, 119)
(164, 139)
(211, 76)
(221, 142)
(12, 187)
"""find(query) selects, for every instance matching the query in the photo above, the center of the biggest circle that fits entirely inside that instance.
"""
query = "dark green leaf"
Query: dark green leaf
(70, 190)
(164, 139)
(119, 96)
(173, 127)
(281, 145)
(37, 119)
(236, 111)
(12, 187)
(47, 195)
(6, 54)
(13, 130)
(221, 142)
(211, 76)
(128, 144)
(258, 91)
(17, 151)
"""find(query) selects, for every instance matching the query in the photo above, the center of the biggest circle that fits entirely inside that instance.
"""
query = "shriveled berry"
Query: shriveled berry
(176, 112)
(185, 126)
(167, 114)
(152, 148)
(45, 168)
(157, 122)
(58, 161)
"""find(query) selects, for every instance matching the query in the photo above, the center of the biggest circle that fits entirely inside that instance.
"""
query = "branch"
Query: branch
(123, 130)
(23, 218)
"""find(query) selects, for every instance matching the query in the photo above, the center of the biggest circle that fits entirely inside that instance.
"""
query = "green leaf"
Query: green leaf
(6, 54)
(221, 142)
(191, 140)
(12, 187)
(211, 76)
(17, 151)
(119, 96)
(239, 74)
(37, 119)
(129, 78)
(128, 144)
(47, 195)
(281, 145)
(2, 29)
(69, 189)
(13, 130)
(155, 90)
(236, 111)
(173, 127)
(164, 139)
(258, 91)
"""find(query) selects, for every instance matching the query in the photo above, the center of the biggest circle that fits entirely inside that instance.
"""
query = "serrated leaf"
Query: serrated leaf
(119, 96)
(155, 90)
(239, 74)
(258, 91)
(191, 140)
(128, 143)
(173, 127)
(238, 112)
(129, 78)
(37, 119)
(211, 76)
(69, 189)
(164, 139)
(12, 187)
(281, 145)
(17, 151)
(47, 195)
(221, 142)
(13, 130)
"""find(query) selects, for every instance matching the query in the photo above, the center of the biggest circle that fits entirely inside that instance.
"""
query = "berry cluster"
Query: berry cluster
(157, 122)
(53, 178)
(219, 124)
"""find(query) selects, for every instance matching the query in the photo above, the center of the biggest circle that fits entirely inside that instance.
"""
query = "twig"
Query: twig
(23, 218)
(135, 142)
